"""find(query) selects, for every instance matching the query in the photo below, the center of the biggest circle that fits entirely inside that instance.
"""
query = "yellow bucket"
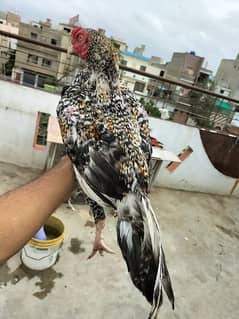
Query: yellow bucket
(42, 254)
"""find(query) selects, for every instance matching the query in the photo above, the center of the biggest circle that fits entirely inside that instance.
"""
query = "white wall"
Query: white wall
(196, 173)
(18, 112)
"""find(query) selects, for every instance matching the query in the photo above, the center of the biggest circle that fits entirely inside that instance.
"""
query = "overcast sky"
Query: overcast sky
(209, 27)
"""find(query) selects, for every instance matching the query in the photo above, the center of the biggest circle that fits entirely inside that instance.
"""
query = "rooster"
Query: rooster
(106, 134)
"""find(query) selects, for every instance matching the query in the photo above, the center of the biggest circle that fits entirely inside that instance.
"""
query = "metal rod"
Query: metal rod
(187, 86)
(21, 38)
(125, 68)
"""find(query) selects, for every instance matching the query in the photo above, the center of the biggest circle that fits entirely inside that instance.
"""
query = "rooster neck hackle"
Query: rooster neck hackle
(103, 58)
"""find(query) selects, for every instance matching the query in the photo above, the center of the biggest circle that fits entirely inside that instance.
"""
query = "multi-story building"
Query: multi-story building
(190, 69)
(140, 84)
(38, 66)
(68, 62)
(9, 22)
(119, 44)
(184, 67)
(227, 78)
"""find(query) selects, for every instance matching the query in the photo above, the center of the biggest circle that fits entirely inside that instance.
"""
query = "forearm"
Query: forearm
(24, 210)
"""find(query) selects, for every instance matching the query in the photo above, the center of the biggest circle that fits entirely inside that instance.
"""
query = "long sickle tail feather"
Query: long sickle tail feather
(139, 239)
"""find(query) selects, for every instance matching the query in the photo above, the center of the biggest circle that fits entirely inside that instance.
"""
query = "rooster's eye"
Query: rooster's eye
(80, 37)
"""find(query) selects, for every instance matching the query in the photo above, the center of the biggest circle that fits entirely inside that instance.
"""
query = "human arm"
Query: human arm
(24, 210)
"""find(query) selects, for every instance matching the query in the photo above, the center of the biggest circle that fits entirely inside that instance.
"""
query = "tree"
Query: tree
(9, 65)
(150, 108)
(202, 105)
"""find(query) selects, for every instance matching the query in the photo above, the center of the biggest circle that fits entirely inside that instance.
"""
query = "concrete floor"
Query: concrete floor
(201, 237)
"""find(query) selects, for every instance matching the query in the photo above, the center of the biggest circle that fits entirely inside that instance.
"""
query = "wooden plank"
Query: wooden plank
(53, 131)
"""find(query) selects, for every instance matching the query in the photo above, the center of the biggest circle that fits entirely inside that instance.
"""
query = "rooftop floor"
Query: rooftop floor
(200, 235)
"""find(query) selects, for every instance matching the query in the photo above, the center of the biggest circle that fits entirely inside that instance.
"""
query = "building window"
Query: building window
(36, 25)
(46, 62)
(53, 41)
(4, 42)
(42, 132)
(222, 91)
(29, 78)
(142, 68)
(123, 62)
(67, 30)
(190, 71)
(161, 73)
(32, 58)
(41, 81)
(139, 86)
(40, 138)
(33, 35)
(4, 53)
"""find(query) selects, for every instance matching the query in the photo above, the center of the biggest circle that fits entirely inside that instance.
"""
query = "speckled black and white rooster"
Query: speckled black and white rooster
(106, 134)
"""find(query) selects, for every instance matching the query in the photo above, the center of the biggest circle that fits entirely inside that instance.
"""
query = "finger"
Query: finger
(92, 254)
(108, 250)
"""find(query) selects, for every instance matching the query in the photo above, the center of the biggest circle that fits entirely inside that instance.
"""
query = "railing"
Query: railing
(188, 104)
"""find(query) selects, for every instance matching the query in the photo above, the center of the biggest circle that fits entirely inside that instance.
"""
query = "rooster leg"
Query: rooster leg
(70, 205)
(99, 217)
(99, 245)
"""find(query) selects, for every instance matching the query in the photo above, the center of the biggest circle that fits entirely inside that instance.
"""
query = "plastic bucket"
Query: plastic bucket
(42, 254)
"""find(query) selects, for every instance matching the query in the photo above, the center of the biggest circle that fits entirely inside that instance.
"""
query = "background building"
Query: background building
(184, 67)
(141, 85)
(67, 62)
(9, 22)
(37, 65)
(227, 78)
(189, 68)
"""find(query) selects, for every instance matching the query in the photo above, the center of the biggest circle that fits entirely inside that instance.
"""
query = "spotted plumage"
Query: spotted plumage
(106, 133)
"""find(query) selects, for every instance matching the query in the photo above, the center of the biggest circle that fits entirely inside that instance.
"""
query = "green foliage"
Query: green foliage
(42, 131)
(51, 80)
(115, 44)
(202, 105)
(150, 108)
(10, 63)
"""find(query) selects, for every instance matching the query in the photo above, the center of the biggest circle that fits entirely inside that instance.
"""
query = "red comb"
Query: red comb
(75, 31)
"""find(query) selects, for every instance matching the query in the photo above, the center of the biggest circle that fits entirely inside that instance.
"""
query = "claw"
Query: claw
(100, 246)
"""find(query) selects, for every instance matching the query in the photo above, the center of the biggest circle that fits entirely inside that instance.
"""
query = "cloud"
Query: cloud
(150, 21)
(207, 27)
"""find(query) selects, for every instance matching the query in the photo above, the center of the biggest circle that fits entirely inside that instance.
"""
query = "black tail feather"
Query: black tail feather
(139, 239)
(166, 281)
